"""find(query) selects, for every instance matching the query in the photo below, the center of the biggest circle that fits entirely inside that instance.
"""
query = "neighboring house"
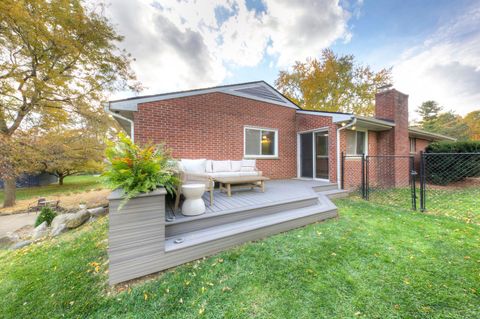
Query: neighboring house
(253, 120)
(31, 180)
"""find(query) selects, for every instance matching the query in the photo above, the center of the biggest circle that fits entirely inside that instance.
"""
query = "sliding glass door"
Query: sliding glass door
(314, 155)
(321, 153)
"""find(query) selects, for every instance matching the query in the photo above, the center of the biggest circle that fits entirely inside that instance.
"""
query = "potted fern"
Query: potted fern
(140, 177)
(133, 170)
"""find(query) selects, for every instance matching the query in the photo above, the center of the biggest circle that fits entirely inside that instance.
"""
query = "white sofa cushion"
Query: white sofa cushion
(247, 169)
(236, 166)
(194, 165)
(232, 174)
(248, 163)
(221, 166)
(209, 168)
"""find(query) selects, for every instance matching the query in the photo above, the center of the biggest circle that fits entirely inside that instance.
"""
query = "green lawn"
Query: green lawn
(71, 184)
(373, 262)
(463, 203)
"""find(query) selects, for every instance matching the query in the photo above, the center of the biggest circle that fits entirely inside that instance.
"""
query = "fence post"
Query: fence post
(367, 179)
(422, 181)
(363, 176)
(342, 172)
(413, 174)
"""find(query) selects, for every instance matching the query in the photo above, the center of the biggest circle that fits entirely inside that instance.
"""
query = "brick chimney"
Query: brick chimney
(392, 105)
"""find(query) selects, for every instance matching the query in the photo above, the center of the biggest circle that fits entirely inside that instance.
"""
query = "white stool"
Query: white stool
(193, 204)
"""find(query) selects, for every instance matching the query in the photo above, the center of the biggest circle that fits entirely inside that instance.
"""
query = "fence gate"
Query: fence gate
(386, 179)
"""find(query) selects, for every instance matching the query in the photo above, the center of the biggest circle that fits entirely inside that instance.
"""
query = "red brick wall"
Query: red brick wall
(307, 122)
(212, 126)
(392, 105)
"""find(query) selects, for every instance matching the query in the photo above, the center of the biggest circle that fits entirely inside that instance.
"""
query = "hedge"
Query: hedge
(457, 161)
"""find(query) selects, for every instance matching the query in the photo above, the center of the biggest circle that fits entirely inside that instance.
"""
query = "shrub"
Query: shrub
(454, 147)
(448, 162)
(46, 215)
(138, 170)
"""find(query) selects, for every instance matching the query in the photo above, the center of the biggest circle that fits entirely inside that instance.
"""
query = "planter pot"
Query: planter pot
(136, 234)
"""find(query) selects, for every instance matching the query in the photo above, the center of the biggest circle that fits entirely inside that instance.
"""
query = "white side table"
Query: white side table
(193, 204)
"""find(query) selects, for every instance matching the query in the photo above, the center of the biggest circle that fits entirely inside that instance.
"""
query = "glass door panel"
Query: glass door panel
(306, 155)
(321, 155)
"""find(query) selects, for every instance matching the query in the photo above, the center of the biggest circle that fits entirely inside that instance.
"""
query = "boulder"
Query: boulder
(71, 220)
(21, 244)
(6, 241)
(58, 230)
(77, 219)
(97, 212)
(40, 231)
(59, 220)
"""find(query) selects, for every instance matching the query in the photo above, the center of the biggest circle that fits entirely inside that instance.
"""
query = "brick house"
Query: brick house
(253, 120)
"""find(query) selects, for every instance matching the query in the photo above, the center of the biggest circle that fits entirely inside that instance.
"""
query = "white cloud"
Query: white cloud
(190, 43)
(445, 67)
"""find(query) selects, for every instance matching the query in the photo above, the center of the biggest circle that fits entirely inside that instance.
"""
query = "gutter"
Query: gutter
(106, 107)
(354, 120)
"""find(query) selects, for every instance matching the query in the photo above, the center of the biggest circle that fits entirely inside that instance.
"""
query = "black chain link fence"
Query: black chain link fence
(450, 185)
(385, 179)
(439, 183)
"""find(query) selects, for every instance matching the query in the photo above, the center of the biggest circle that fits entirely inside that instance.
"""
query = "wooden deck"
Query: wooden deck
(172, 239)
(276, 191)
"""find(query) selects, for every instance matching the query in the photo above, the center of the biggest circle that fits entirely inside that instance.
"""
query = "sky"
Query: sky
(432, 46)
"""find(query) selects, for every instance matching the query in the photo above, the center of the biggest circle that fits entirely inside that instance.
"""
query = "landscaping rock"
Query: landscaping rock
(71, 220)
(21, 244)
(59, 220)
(40, 231)
(77, 219)
(58, 230)
(6, 241)
(97, 212)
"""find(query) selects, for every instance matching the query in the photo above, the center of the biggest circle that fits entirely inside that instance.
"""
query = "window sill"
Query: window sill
(274, 157)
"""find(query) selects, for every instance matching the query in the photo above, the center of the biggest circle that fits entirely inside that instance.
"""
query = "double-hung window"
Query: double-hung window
(356, 142)
(260, 142)
(413, 148)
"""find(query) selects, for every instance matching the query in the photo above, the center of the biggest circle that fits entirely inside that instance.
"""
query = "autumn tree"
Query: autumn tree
(66, 151)
(333, 83)
(57, 60)
(434, 119)
(472, 119)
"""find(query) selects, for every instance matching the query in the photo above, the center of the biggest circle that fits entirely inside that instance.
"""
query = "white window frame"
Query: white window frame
(414, 141)
(366, 142)
(275, 131)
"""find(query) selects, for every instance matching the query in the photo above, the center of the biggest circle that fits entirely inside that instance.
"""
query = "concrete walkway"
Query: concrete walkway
(10, 223)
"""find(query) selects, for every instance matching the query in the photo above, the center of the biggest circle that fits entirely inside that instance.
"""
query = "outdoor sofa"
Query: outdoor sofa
(205, 171)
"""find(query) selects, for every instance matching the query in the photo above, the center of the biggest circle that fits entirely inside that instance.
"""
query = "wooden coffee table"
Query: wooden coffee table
(227, 183)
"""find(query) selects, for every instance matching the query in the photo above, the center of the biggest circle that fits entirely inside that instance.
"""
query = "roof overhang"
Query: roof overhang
(429, 136)
(368, 123)
(260, 91)
(336, 116)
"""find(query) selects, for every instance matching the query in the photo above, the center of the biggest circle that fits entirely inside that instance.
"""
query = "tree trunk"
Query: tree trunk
(10, 189)
(60, 179)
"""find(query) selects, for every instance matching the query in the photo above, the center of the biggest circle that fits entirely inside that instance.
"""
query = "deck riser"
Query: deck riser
(216, 220)
(322, 188)
(161, 261)
(338, 195)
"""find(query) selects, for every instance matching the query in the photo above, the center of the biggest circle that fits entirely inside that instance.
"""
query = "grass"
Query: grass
(71, 185)
(373, 262)
(461, 203)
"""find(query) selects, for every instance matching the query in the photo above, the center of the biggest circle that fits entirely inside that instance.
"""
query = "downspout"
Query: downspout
(339, 185)
(132, 130)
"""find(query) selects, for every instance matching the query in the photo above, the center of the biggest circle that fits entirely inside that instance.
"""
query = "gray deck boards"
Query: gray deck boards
(275, 191)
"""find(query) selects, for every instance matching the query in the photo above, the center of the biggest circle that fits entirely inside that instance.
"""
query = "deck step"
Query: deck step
(336, 193)
(325, 187)
(213, 239)
(185, 225)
